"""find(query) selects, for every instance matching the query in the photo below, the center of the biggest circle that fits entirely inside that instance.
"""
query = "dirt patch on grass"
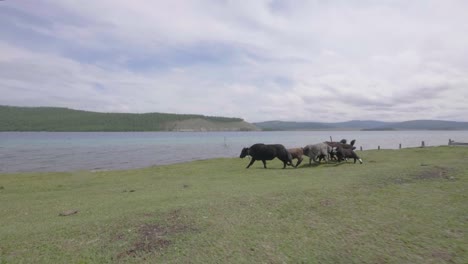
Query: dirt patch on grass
(151, 237)
(327, 202)
(156, 237)
(435, 173)
(429, 173)
(442, 255)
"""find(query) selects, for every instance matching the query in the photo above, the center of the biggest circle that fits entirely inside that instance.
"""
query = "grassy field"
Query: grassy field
(400, 206)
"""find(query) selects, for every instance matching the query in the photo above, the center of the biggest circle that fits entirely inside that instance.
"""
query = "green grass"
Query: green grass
(400, 206)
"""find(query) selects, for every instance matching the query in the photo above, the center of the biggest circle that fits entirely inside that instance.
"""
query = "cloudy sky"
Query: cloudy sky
(259, 60)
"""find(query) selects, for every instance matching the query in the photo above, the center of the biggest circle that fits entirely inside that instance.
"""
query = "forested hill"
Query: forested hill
(14, 118)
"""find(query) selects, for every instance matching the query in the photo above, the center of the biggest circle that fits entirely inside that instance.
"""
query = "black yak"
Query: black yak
(343, 153)
(342, 144)
(267, 152)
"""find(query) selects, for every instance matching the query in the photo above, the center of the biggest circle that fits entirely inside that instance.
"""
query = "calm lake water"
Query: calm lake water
(70, 151)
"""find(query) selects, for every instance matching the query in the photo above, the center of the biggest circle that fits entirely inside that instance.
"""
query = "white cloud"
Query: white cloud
(259, 60)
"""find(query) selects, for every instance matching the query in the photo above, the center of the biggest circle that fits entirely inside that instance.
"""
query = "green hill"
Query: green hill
(14, 118)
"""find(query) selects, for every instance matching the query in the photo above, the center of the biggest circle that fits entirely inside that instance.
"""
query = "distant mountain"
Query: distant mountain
(349, 125)
(368, 125)
(423, 125)
(361, 124)
(63, 119)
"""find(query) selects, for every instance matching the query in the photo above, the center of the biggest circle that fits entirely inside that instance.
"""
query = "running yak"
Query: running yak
(264, 152)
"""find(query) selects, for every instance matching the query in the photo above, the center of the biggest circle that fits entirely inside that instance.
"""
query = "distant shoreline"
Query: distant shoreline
(55, 119)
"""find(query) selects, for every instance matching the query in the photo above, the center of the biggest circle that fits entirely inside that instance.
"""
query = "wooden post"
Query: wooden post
(361, 148)
(378, 148)
(399, 146)
(422, 144)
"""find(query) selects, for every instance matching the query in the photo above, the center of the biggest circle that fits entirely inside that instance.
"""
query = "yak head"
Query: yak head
(244, 152)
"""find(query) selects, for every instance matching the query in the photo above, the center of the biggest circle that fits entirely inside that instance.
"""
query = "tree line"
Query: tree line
(14, 118)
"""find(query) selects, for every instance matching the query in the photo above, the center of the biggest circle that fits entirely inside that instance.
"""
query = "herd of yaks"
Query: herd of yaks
(339, 151)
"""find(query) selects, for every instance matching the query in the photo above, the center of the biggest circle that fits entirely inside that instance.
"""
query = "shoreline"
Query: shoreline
(97, 170)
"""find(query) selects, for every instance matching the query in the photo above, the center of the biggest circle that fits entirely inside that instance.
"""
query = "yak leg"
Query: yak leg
(315, 159)
(319, 159)
(299, 160)
(360, 160)
(264, 164)
(287, 163)
(251, 162)
(325, 157)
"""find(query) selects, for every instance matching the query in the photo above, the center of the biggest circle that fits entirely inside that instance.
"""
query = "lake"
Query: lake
(70, 151)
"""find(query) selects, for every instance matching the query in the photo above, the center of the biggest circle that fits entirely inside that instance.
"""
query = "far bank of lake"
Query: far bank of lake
(69, 151)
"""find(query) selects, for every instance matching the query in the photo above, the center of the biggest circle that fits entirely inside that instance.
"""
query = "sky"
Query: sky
(324, 61)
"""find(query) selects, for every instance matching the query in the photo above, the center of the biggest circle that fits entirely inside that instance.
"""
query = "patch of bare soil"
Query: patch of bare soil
(327, 202)
(435, 173)
(431, 173)
(152, 237)
(442, 255)
(155, 237)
